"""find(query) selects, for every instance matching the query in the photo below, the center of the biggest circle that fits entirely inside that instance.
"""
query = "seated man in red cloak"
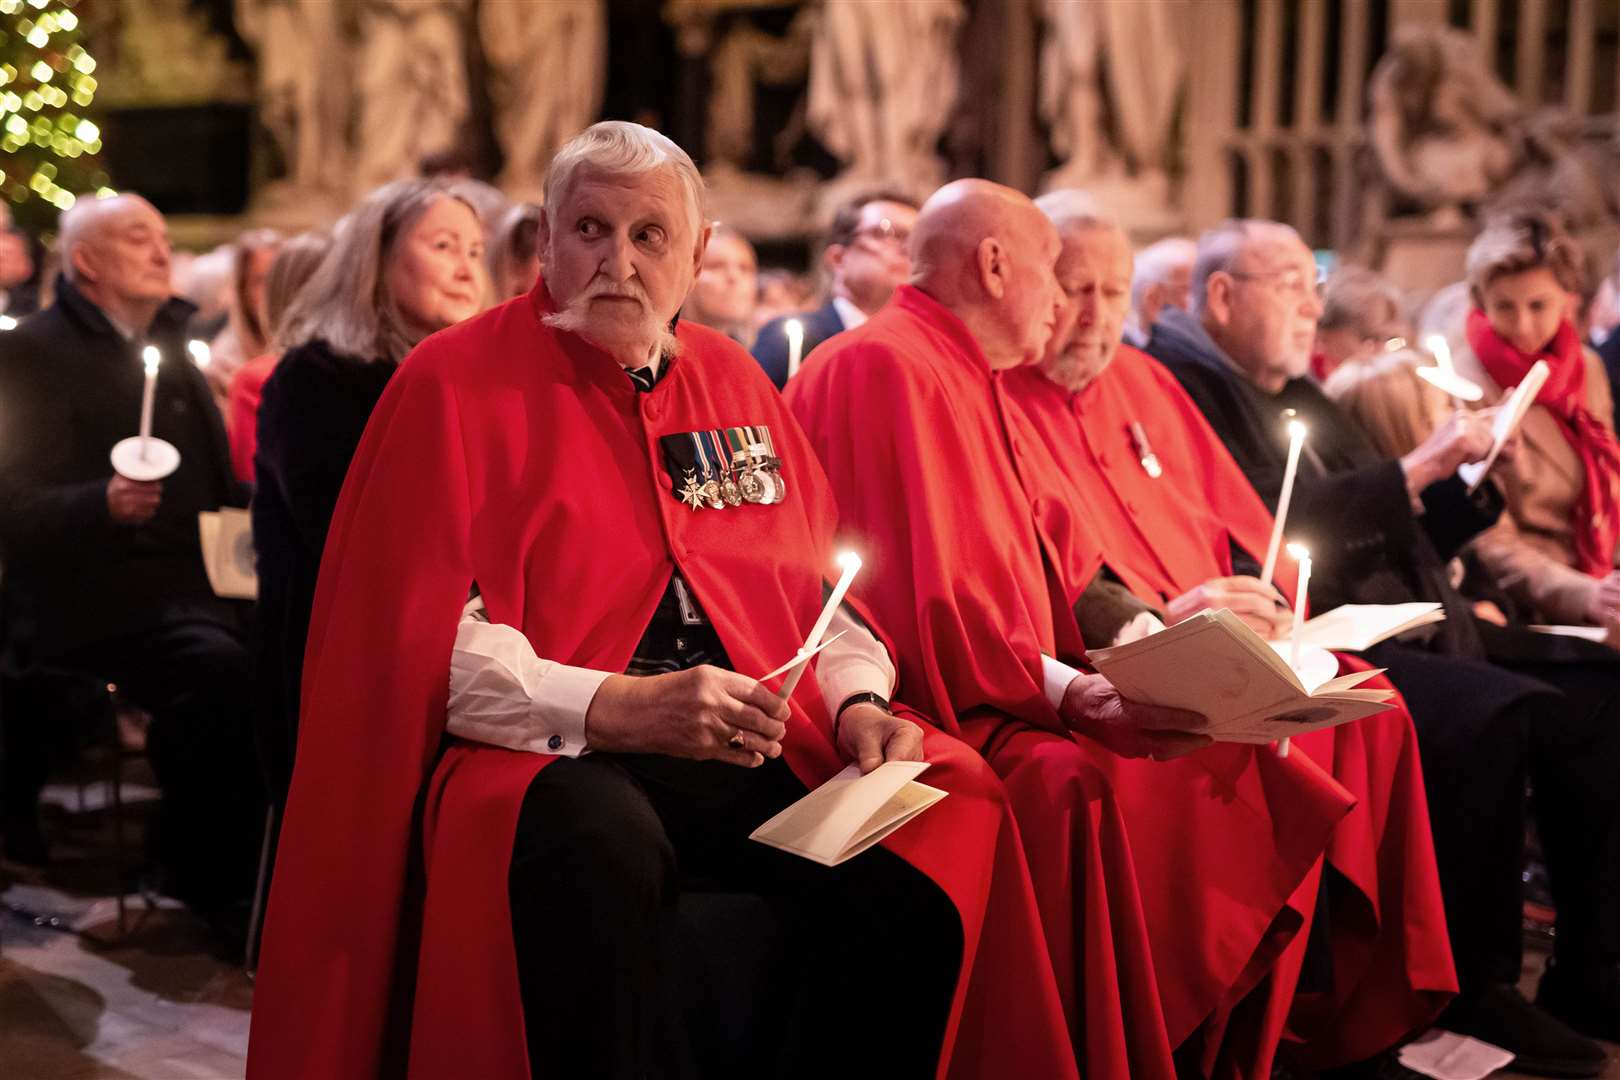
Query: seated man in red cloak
(511, 794)
(949, 493)
(1171, 527)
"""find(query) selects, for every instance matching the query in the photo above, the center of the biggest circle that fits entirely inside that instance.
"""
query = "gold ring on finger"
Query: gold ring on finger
(736, 741)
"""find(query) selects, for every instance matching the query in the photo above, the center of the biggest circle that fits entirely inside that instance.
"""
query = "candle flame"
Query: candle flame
(848, 560)
(1296, 429)
(794, 329)
(151, 357)
(1299, 551)
(7, 322)
(201, 354)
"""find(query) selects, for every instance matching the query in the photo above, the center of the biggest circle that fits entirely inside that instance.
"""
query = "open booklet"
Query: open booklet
(1508, 416)
(1214, 665)
(850, 812)
(1354, 627)
(227, 551)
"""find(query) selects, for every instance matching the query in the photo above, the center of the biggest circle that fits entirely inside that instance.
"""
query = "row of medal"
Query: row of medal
(733, 466)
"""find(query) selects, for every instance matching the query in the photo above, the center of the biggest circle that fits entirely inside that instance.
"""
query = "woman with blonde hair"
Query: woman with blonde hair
(1383, 392)
(407, 262)
(1554, 549)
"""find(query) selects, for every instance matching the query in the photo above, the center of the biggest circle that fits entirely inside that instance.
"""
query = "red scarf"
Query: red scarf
(1597, 517)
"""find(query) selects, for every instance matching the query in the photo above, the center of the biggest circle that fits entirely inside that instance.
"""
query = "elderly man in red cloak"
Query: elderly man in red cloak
(1166, 525)
(949, 492)
(500, 800)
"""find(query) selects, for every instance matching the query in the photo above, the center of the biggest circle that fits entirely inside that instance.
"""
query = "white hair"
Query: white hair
(1071, 209)
(1220, 248)
(620, 148)
(79, 222)
(1155, 263)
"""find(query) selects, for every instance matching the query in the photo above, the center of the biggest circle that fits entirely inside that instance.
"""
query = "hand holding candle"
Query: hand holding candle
(1297, 642)
(1296, 443)
(794, 329)
(851, 563)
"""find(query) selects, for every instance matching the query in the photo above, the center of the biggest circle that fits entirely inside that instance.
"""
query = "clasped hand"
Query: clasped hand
(1094, 707)
(701, 712)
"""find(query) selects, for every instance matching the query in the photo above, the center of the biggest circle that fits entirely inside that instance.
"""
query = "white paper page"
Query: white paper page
(1507, 422)
(828, 823)
(1445, 1055)
(1354, 627)
(1598, 634)
(238, 566)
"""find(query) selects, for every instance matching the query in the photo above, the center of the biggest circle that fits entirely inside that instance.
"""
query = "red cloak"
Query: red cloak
(952, 499)
(519, 457)
(1164, 536)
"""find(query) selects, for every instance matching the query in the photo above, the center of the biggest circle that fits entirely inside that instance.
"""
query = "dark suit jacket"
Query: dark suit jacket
(1349, 504)
(771, 348)
(70, 388)
(314, 410)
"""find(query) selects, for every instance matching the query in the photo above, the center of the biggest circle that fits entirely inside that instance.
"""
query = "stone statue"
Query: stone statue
(883, 83)
(547, 68)
(1111, 77)
(411, 85)
(302, 89)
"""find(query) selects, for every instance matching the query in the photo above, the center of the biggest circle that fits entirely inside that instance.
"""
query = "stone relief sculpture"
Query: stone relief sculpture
(303, 92)
(547, 69)
(883, 82)
(1111, 78)
(411, 87)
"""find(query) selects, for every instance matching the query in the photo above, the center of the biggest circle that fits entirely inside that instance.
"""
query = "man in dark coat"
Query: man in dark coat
(104, 575)
(1379, 532)
(867, 257)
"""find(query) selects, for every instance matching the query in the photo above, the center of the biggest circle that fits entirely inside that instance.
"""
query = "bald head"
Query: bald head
(987, 253)
(116, 250)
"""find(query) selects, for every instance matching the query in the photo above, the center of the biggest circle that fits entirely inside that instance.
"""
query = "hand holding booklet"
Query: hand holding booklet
(1508, 416)
(1214, 665)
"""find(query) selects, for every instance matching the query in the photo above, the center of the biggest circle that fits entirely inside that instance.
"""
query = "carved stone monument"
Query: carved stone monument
(411, 86)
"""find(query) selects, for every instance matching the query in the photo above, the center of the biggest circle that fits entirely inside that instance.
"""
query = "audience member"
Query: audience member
(1553, 551)
(19, 278)
(104, 575)
(468, 855)
(408, 261)
(1380, 531)
(726, 289)
(1161, 278)
(247, 330)
(1361, 316)
(294, 264)
(514, 251)
(781, 293)
(866, 257)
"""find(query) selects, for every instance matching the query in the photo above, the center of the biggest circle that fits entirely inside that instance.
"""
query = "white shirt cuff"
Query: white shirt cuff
(502, 694)
(1055, 678)
(856, 663)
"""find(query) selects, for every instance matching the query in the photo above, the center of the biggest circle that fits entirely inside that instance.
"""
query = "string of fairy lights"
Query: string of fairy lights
(43, 89)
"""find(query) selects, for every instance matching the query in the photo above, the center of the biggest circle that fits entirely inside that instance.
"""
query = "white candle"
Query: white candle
(1440, 349)
(794, 329)
(1297, 642)
(201, 354)
(151, 358)
(1296, 443)
(850, 562)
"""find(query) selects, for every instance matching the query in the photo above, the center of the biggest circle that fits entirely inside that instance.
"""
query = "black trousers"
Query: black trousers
(655, 940)
(195, 678)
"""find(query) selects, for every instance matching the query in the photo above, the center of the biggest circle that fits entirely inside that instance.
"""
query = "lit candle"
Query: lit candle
(850, 562)
(1297, 642)
(7, 322)
(151, 358)
(201, 354)
(1296, 443)
(794, 329)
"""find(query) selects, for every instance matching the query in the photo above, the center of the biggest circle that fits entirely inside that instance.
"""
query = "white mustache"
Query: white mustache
(628, 290)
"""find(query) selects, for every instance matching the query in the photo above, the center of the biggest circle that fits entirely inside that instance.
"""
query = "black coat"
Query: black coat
(1350, 504)
(70, 388)
(771, 347)
(313, 412)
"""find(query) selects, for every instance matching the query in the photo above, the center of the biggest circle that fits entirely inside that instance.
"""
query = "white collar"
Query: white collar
(848, 314)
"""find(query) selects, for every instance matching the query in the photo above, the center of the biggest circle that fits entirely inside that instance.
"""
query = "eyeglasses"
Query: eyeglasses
(1290, 283)
(885, 232)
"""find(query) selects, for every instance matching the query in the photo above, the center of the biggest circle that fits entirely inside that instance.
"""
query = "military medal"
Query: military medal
(710, 472)
(1144, 451)
(692, 492)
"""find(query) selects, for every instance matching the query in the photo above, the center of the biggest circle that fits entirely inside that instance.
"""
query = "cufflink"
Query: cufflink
(554, 743)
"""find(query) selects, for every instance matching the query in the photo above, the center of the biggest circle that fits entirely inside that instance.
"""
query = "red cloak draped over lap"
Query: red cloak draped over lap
(946, 491)
(519, 457)
(1165, 536)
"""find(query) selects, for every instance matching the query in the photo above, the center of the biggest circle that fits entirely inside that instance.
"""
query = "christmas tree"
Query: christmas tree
(48, 143)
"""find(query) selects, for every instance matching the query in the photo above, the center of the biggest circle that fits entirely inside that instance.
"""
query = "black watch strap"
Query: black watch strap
(865, 698)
